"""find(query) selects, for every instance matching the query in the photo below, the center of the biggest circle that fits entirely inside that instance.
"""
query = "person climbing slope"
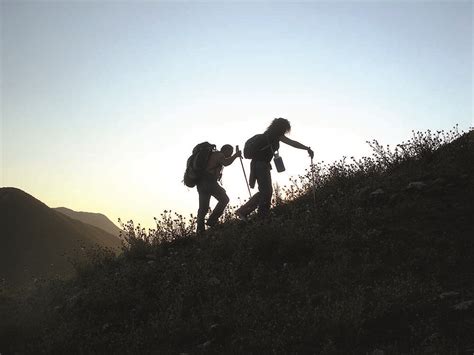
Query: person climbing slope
(261, 148)
(204, 170)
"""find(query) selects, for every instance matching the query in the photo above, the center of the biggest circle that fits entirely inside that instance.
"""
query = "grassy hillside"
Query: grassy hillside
(377, 259)
(38, 242)
(94, 219)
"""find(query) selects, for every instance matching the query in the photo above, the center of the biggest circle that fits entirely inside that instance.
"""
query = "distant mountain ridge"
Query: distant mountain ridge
(94, 219)
(39, 242)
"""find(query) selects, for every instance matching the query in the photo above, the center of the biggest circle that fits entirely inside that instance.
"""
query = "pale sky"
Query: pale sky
(103, 101)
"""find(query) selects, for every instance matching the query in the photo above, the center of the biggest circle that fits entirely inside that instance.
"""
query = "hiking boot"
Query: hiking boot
(211, 224)
(200, 233)
(214, 227)
(241, 216)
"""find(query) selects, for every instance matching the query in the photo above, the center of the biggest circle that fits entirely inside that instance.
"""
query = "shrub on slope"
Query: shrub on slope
(381, 258)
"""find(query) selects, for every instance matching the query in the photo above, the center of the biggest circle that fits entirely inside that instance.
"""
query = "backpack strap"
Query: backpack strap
(268, 145)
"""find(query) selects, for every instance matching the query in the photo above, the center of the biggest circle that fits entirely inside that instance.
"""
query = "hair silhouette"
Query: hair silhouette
(278, 127)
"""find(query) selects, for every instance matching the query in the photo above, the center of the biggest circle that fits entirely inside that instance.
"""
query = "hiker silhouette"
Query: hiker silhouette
(261, 148)
(208, 185)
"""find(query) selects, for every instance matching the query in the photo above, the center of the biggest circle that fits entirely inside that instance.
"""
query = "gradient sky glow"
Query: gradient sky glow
(102, 102)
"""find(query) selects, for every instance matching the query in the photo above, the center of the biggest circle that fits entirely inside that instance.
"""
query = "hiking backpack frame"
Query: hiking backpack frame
(197, 163)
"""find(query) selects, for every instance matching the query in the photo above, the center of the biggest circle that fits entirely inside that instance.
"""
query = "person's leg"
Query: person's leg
(265, 188)
(204, 199)
(252, 203)
(222, 200)
(248, 206)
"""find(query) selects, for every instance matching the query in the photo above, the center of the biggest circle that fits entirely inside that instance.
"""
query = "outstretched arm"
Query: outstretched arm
(297, 145)
(227, 161)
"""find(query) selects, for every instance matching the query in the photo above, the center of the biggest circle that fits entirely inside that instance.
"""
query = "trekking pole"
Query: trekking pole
(245, 175)
(312, 178)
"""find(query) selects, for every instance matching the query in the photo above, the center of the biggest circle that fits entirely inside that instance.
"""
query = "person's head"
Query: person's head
(279, 127)
(227, 150)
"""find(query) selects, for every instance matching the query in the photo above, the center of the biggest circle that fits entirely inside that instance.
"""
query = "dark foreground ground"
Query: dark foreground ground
(382, 263)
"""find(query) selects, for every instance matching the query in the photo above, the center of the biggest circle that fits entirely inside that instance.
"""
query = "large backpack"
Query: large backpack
(255, 144)
(197, 163)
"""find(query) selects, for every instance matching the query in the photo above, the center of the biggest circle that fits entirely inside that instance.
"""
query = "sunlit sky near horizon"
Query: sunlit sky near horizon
(103, 101)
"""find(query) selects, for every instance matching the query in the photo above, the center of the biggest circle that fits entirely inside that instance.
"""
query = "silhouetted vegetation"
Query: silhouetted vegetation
(38, 242)
(358, 255)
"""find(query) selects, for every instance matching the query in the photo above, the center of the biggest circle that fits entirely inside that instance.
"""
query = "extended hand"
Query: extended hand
(238, 153)
(311, 153)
